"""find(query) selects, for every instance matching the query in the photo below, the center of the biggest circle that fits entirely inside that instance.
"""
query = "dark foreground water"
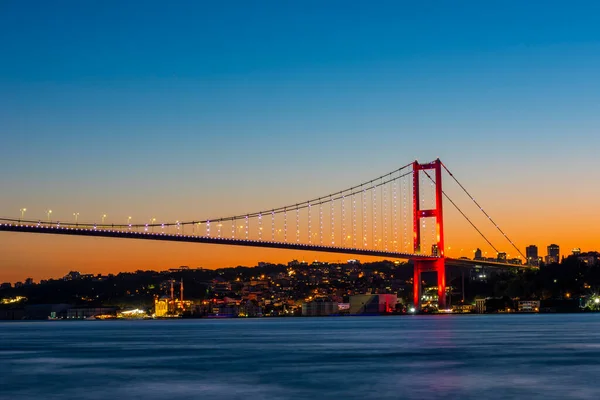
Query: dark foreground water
(413, 357)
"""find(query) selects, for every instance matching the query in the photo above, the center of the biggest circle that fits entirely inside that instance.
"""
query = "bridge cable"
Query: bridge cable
(464, 215)
(483, 211)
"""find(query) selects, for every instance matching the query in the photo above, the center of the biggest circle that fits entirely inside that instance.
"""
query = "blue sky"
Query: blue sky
(213, 107)
(160, 88)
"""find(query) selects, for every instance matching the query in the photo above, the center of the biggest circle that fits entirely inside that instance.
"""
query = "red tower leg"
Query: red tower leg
(417, 285)
(441, 279)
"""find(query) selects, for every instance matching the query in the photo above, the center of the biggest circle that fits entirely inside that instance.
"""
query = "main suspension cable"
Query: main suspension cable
(483, 211)
(464, 215)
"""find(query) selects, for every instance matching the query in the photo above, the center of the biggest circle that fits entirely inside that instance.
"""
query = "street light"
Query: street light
(76, 215)
(103, 218)
(22, 213)
(48, 212)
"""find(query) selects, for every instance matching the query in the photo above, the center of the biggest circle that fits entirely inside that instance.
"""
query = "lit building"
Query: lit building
(531, 252)
(463, 308)
(553, 254)
(161, 306)
(480, 306)
(576, 251)
(501, 257)
(528, 306)
(170, 306)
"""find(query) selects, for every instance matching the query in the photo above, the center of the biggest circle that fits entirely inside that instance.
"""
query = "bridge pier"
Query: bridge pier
(437, 265)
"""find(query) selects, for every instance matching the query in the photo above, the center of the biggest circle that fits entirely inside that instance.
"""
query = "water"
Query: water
(412, 357)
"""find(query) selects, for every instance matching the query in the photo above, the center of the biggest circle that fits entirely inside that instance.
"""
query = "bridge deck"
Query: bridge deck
(126, 234)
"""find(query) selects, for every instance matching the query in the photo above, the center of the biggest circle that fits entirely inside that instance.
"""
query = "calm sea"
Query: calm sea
(410, 357)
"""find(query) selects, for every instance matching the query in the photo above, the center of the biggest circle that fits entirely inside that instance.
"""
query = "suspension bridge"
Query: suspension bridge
(398, 215)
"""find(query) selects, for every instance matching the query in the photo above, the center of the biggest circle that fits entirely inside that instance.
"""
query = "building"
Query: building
(72, 276)
(89, 312)
(46, 311)
(463, 308)
(478, 254)
(226, 311)
(167, 306)
(531, 252)
(12, 314)
(501, 257)
(528, 306)
(480, 306)
(553, 254)
(250, 309)
(320, 308)
(589, 258)
(373, 303)
(576, 251)
(161, 306)
(434, 250)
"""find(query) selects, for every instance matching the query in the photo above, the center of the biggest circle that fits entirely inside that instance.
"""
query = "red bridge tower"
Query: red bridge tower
(437, 262)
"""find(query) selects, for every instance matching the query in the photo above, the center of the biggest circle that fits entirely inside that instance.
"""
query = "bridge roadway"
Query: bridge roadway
(94, 231)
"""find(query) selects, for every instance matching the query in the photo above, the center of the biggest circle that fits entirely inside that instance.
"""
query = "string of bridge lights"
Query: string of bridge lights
(387, 218)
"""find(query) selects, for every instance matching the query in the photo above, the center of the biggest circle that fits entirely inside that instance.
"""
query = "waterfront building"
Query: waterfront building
(161, 306)
(320, 308)
(91, 312)
(373, 303)
(480, 306)
(463, 308)
(528, 306)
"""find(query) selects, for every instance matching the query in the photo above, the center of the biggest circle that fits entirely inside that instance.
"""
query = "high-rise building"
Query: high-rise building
(531, 252)
(478, 254)
(553, 254)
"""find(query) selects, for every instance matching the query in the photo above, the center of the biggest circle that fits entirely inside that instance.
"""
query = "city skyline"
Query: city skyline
(175, 117)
